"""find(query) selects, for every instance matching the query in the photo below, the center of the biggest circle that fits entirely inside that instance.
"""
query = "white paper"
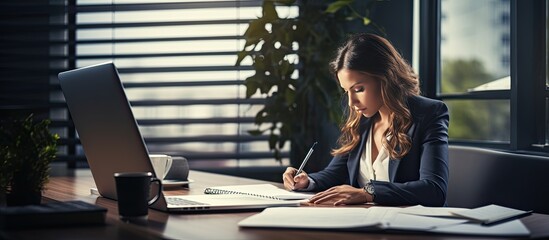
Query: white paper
(490, 213)
(431, 211)
(511, 228)
(344, 217)
(311, 217)
(374, 218)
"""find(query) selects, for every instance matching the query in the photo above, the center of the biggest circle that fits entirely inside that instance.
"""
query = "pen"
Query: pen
(306, 159)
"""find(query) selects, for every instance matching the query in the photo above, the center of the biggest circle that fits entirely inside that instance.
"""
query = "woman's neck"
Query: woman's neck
(383, 116)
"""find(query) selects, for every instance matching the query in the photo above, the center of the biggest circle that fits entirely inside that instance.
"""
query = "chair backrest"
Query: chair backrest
(480, 177)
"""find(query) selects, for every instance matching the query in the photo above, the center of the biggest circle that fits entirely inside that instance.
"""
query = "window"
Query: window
(176, 60)
(547, 75)
(475, 61)
(488, 61)
(177, 64)
(505, 40)
(505, 19)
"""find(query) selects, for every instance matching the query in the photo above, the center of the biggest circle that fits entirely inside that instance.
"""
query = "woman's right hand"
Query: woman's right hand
(292, 182)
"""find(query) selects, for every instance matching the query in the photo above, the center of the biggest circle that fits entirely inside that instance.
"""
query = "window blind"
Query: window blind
(177, 63)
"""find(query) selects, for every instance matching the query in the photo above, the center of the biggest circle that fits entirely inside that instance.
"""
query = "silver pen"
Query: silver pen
(306, 159)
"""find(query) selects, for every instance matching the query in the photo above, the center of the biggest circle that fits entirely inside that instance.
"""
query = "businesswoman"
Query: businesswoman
(393, 148)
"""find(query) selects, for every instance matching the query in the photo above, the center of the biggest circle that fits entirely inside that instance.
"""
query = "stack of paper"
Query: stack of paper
(417, 218)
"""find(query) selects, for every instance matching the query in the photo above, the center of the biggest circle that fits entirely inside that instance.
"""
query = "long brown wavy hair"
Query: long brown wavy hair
(375, 56)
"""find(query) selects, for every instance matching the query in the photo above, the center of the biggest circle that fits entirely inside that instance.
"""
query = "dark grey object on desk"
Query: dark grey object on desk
(179, 169)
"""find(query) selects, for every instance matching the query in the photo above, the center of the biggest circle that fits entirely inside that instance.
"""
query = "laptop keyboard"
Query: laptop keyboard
(182, 202)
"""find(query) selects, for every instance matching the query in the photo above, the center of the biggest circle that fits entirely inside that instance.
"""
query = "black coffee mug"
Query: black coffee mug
(133, 192)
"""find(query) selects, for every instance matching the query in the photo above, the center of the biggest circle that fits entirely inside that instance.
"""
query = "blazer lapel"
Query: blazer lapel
(394, 163)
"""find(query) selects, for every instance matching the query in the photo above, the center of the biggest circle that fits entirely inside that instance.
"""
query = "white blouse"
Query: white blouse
(379, 169)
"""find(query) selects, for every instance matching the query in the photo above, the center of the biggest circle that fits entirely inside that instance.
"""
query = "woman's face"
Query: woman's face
(363, 91)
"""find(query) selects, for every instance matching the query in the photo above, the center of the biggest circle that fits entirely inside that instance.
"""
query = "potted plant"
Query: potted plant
(26, 150)
(299, 110)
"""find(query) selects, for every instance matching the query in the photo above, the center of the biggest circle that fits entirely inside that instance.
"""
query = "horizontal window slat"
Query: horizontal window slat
(226, 155)
(157, 24)
(184, 84)
(14, 58)
(18, 41)
(144, 103)
(177, 140)
(177, 121)
(23, 8)
(21, 69)
(159, 55)
(181, 102)
(185, 69)
(186, 102)
(167, 6)
(175, 39)
(14, 27)
(195, 121)
(203, 156)
(152, 84)
(206, 139)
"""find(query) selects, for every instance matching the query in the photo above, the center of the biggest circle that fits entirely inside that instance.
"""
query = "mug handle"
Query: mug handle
(155, 198)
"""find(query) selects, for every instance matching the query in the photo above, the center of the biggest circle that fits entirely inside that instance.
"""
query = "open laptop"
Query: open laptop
(112, 142)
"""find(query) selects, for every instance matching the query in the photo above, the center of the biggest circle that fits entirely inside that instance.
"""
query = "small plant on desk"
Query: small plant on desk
(26, 150)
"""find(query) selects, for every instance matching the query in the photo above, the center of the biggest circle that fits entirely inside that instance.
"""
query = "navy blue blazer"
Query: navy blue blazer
(420, 177)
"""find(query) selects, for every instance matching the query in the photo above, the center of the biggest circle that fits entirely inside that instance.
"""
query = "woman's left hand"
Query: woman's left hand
(341, 195)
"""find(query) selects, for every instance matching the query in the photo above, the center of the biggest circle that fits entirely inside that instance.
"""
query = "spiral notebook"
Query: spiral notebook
(259, 190)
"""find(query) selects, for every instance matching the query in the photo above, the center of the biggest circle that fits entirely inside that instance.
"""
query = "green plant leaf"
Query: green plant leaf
(255, 132)
(289, 96)
(366, 21)
(269, 11)
(251, 85)
(273, 139)
(285, 2)
(240, 56)
(335, 6)
(255, 32)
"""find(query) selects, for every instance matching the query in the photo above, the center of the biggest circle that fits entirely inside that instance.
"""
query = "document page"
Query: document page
(312, 218)
(395, 218)
(431, 211)
(490, 214)
(511, 228)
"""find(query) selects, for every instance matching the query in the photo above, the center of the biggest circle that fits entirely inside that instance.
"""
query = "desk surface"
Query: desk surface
(199, 226)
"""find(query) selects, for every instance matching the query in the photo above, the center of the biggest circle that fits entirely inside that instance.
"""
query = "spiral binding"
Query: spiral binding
(221, 191)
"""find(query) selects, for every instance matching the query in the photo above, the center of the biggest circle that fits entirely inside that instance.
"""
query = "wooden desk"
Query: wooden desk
(199, 226)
